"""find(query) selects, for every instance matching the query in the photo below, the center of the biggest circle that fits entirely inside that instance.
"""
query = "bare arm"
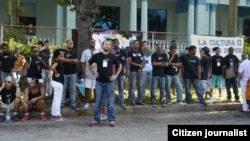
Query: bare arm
(70, 61)
(240, 75)
(53, 68)
(83, 68)
(199, 71)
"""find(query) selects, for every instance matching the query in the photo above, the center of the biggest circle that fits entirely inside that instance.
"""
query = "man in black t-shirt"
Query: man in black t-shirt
(173, 76)
(105, 86)
(192, 74)
(231, 63)
(159, 62)
(216, 70)
(121, 55)
(8, 61)
(46, 55)
(10, 98)
(70, 74)
(137, 61)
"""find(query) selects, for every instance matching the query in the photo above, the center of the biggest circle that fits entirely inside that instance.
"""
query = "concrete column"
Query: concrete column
(133, 15)
(212, 16)
(144, 19)
(191, 16)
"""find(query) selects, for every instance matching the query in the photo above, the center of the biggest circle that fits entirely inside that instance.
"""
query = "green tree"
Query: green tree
(85, 11)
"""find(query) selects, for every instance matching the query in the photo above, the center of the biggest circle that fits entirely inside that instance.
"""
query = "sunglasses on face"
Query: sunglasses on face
(35, 51)
(7, 81)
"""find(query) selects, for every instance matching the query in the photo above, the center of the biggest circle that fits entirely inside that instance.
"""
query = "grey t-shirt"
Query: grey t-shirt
(86, 55)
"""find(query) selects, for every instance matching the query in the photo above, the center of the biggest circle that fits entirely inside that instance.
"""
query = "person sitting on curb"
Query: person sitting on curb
(10, 97)
(34, 99)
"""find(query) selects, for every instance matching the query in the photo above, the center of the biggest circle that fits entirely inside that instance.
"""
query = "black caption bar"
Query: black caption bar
(208, 132)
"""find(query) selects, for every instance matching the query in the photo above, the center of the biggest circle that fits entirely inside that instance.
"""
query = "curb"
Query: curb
(67, 111)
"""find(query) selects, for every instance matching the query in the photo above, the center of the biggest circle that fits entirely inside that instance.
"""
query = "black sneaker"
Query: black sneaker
(163, 102)
(15, 118)
(132, 104)
(123, 106)
(2, 118)
(139, 103)
(153, 102)
(204, 104)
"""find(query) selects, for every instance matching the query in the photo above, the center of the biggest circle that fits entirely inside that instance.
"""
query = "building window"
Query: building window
(157, 20)
(109, 18)
(246, 29)
(30, 22)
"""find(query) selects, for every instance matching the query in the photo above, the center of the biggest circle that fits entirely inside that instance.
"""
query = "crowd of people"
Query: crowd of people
(48, 72)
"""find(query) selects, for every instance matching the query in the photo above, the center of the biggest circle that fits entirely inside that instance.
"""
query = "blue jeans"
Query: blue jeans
(135, 78)
(120, 81)
(46, 75)
(156, 80)
(69, 83)
(105, 90)
(5, 74)
(175, 79)
(146, 77)
(196, 84)
(229, 83)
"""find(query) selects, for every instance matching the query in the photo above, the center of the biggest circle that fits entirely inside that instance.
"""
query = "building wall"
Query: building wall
(45, 11)
(152, 4)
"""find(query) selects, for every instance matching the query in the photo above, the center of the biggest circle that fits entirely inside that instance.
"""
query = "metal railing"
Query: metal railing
(58, 36)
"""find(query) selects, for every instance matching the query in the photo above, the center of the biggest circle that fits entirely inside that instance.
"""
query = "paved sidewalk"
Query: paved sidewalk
(67, 111)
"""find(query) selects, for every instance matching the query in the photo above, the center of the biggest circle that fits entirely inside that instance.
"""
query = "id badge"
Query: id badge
(105, 63)
(218, 64)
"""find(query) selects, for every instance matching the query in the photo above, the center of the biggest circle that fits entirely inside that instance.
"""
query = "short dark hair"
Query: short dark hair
(46, 41)
(35, 79)
(4, 45)
(215, 48)
(33, 47)
(40, 43)
(191, 48)
(173, 41)
(145, 42)
(135, 41)
(114, 40)
(58, 52)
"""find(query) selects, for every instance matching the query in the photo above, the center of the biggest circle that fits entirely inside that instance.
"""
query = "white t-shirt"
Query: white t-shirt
(86, 55)
(244, 68)
(148, 65)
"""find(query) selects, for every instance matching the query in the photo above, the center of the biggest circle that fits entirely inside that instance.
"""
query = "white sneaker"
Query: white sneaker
(86, 106)
(103, 117)
(181, 103)
(211, 100)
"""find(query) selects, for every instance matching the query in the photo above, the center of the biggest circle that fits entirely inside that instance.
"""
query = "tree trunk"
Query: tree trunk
(10, 11)
(85, 15)
(233, 17)
(17, 11)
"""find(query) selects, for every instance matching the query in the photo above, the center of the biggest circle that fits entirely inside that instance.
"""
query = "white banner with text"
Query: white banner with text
(222, 42)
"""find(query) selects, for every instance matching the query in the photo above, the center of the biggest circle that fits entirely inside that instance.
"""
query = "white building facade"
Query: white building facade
(203, 17)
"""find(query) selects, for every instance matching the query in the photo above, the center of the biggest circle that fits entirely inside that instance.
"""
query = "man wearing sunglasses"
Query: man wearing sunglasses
(33, 66)
(10, 98)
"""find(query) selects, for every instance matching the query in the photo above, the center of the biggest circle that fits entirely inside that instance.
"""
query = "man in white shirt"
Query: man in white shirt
(244, 75)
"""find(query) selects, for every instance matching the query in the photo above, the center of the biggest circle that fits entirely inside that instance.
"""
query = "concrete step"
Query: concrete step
(67, 111)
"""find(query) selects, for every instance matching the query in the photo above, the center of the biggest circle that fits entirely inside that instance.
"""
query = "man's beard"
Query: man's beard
(106, 50)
